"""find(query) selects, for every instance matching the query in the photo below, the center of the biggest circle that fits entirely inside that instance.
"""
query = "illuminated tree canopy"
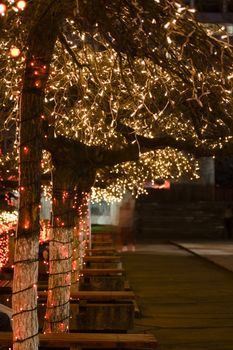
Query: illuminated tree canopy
(117, 92)
(127, 78)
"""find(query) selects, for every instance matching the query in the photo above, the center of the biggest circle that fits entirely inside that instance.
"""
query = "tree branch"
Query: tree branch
(70, 51)
(74, 154)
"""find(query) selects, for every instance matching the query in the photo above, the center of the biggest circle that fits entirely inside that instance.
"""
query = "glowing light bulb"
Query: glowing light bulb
(25, 150)
(26, 224)
(38, 83)
(2, 9)
(21, 4)
(15, 52)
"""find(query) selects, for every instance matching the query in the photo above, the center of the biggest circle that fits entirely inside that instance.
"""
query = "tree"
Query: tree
(135, 75)
(60, 252)
(42, 25)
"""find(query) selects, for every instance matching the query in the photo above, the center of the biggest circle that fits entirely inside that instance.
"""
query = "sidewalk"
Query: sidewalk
(218, 252)
(184, 300)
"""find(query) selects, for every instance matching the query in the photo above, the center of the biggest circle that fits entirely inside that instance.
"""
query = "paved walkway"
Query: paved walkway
(186, 301)
(219, 252)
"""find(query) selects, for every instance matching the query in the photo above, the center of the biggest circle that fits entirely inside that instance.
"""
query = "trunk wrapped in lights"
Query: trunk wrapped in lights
(81, 236)
(24, 300)
(60, 254)
(42, 19)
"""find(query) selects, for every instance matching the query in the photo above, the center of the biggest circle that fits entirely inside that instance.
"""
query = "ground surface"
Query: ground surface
(185, 300)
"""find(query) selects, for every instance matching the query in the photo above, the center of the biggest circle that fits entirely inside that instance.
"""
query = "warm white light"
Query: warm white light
(15, 52)
(2, 9)
(21, 5)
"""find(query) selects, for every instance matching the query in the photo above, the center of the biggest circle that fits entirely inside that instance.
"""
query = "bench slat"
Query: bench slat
(100, 258)
(101, 272)
(97, 295)
(103, 295)
(102, 243)
(90, 340)
(104, 249)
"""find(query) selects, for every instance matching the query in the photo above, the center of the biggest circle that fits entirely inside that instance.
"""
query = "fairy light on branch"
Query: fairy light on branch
(3, 9)
(104, 84)
(4, 249)
(15, 52)
(8, 222)
(21, 5)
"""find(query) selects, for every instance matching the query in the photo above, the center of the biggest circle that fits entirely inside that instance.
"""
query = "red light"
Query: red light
(38, 83)
(26, 150)
(26, 225)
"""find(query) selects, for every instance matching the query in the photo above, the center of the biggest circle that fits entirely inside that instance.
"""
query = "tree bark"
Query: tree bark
(82, 235)
(44, 18)
(60, 253)
(25, 325)
(58, 302)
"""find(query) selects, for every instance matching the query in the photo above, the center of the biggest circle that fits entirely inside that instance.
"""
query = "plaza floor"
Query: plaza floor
(184, 293)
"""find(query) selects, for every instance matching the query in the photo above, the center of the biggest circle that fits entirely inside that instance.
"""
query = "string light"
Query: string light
(38, 83)
(21, 5)
(4, 249)
(8, 222)
(2, 9)
(85, 120)
(160, 93)
(15, 52)
(25, 150)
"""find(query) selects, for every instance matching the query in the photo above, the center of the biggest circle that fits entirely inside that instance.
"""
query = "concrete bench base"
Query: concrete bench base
(118, 316)
(95, 317)
(102, 283)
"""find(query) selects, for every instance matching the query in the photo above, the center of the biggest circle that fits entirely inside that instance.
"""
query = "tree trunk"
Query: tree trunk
(76, 260)
(60, 253)
(81, 237)
(24, 300)
(41, 40)
(58, 302)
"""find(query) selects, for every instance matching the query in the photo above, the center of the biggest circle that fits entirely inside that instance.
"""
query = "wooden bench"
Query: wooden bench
(97, 310)
(96, 295)
(102, 236)
(102, 258)
(100, 243)
(102, 272)
(100, 251)
(102, 282)
(76, 341)
(42, 292)
(5, 286)
(102, 262)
